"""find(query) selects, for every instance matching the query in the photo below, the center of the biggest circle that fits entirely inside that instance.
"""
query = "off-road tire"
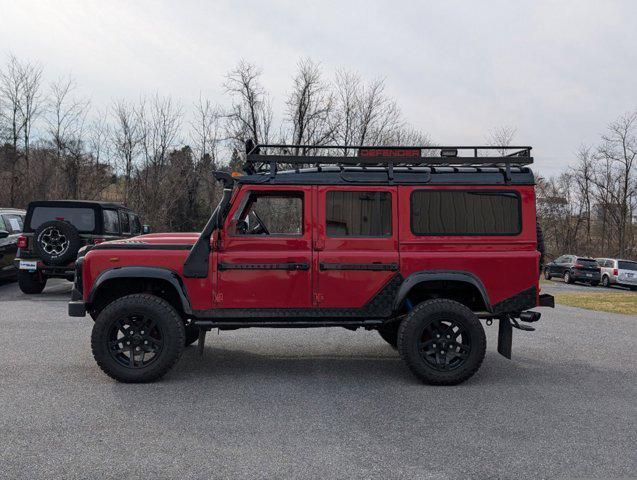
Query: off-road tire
(173, 333)
(192, 335)
(418, 319)
(606, 281)
(568, 278)
(31, 283)
(389, 333)
(71, 235)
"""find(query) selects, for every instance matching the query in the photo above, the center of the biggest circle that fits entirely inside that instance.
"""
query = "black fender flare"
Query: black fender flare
(158, 273)
(425, 276)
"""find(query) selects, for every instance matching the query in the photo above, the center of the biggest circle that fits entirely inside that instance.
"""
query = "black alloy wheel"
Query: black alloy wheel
(135, 340)
(442, 342)
(138, 338)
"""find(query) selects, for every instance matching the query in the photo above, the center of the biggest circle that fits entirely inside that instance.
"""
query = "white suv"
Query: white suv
(618, 272)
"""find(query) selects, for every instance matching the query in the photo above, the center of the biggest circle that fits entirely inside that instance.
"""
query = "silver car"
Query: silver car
(618, 272)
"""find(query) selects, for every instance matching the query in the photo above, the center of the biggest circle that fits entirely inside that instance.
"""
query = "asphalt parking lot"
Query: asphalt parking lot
(323, 403)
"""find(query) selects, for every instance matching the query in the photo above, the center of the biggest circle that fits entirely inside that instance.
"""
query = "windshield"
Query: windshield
(626, 265)
(83, 219)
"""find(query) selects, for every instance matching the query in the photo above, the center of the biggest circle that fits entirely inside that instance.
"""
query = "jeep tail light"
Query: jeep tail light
(98, 240)
(23, 242)
(615, 271)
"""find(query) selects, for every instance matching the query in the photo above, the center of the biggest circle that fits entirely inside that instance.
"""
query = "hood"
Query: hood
(173, 238)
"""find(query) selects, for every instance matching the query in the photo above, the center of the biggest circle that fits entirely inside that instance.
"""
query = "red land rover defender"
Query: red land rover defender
(419, 243)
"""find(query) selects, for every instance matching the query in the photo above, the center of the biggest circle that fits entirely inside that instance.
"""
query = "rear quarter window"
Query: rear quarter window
(626, 265)
(111, 221)
(83, 219)
(465, 212)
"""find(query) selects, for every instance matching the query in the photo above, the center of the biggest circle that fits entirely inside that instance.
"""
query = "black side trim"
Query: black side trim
(263, 266)
(288, 323)
(521, 301)
(143, 272)
(359, 266)
(437, 275)
(140, 246)
(379, 307)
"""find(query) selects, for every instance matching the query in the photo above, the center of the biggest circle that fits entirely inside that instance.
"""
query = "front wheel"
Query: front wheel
(442, 342)
(31, 283)
(547, 275)
(137, 338)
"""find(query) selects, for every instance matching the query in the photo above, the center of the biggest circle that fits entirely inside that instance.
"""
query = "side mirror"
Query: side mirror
(145, 229)
(4, 234)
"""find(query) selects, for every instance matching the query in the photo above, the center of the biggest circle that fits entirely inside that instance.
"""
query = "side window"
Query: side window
(270, 213)
(458, 212)
(358, 214)
(111, 221)
(124, 222)
(13, 223)
(135, 225)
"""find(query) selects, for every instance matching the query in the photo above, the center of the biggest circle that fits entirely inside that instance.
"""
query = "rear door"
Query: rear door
(356, 244)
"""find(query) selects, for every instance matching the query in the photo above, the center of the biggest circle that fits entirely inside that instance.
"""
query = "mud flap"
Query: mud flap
(505, 337)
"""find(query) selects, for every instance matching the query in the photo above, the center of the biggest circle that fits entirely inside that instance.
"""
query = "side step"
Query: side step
(305, 323)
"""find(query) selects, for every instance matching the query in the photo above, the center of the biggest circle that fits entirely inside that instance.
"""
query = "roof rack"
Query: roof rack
(264, 158)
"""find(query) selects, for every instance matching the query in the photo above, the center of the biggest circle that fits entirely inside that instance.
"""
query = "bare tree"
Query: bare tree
(126, 136)
(619, 151)
(66, 120)
(310, 107)
(251, 114)
(501, 137)
(206, 133)
(20, 91)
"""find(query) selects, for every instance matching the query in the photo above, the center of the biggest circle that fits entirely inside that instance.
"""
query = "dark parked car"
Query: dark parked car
(574, 269)
(54, 232)
(11, 221)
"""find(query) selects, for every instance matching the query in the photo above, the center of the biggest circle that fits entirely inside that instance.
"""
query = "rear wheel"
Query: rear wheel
(568, 278)
(606, 281)
(31, 283)
(442, 342)
(389, 333)
(137, 338)
(547, 275)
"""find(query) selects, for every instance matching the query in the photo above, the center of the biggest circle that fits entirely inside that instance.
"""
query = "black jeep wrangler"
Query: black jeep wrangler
(55, 230)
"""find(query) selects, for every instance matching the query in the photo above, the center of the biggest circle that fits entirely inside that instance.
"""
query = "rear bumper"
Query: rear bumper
(62, 271)
(584, 277)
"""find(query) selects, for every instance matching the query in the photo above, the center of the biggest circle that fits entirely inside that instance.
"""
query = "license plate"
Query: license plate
(28, 264)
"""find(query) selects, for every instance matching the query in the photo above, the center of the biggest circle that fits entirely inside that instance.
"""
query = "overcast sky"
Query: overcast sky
(558, 71)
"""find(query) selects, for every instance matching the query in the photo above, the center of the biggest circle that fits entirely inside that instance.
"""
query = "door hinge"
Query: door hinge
(318, 298)
(218, 298)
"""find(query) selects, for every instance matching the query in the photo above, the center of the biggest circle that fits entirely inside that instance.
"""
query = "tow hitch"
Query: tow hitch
(505, 329)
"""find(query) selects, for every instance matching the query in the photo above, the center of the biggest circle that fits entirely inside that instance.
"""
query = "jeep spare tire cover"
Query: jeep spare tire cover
(57, 242)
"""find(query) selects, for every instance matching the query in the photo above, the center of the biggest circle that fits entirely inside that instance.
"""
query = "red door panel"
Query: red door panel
(357, 247)
(265, 270)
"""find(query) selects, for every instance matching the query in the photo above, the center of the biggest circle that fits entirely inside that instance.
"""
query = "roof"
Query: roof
(12, 210)
(401, 176)
(77, 203)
